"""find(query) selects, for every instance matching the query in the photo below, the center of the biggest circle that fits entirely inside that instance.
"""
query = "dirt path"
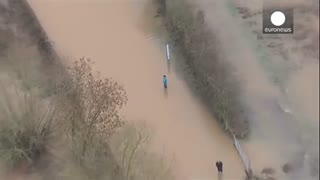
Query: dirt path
(110, 32)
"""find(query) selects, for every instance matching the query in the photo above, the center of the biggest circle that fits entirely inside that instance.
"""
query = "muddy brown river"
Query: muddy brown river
(111, 34)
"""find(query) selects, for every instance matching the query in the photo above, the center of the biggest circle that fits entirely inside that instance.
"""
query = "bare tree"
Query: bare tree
(130, 146)
(95, 99)
(92, 103)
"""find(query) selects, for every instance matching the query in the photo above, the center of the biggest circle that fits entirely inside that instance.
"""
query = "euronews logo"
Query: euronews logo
(278, 21)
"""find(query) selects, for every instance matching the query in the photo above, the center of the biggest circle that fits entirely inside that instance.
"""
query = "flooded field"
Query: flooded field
(112, 34)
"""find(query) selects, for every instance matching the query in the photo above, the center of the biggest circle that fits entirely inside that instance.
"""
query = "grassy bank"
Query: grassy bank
(213, 77)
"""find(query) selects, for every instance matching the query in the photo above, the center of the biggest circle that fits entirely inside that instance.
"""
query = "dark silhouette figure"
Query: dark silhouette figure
(219, 166)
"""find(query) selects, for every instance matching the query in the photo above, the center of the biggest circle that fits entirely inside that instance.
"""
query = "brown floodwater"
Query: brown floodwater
(111, 33)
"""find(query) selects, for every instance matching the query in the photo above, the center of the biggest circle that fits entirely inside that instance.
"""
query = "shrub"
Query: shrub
(27, 126)
(130, 146)
(96, 162)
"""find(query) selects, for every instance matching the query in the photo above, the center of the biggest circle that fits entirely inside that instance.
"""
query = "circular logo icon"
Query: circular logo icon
(278, 18)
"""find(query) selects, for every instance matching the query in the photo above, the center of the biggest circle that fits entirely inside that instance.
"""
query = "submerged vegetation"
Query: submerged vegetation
(213, 76)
